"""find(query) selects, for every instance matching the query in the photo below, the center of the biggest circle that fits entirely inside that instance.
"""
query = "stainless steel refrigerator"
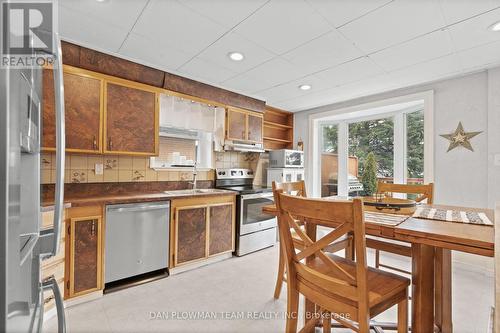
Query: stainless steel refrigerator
(23, 245)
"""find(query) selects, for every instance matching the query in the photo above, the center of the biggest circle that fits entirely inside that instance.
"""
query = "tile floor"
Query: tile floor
(241, 285)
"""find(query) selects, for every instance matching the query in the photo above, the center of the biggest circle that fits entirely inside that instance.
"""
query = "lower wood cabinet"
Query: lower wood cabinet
(84, 251)
(200, 228)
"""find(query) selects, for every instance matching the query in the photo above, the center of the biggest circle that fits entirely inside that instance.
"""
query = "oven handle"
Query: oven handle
(257, 195)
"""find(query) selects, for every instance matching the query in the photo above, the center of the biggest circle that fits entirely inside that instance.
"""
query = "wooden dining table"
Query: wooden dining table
(431, 244)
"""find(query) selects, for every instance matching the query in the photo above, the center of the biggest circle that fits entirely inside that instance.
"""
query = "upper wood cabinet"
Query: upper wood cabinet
(131, 120)
(244, 125)
(83, 112)
(103, 114)
(201, 227)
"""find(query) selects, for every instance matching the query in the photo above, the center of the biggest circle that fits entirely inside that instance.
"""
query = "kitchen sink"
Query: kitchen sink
(194, 192)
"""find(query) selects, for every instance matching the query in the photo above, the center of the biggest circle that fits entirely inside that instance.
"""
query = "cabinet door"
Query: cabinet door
(236, 125)
(221, 233)
(191, 232)
(255, 125)
(85, 255)
(131, 120)
(82, 100)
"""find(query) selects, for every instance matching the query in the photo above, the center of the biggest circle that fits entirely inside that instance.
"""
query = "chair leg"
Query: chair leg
(281, 274)
(377, 258)
(292, 306)
(403, 315)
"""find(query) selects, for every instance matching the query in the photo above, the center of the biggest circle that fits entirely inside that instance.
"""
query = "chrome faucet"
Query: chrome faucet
(195, 171)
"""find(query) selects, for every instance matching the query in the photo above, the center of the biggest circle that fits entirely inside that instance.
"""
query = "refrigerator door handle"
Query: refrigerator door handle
(60, 144)
(51, 283)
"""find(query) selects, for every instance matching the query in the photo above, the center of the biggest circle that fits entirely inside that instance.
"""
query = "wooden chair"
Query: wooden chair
(424, 192)
(299, 189)
(345, 290)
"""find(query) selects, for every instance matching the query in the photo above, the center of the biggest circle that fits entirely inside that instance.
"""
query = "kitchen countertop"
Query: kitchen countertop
(137, 197)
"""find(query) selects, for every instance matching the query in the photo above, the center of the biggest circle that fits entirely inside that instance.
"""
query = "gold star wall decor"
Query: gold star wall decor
(460, 138)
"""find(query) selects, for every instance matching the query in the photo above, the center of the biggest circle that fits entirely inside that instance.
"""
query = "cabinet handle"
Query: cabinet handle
(110, 143)
(92, 229)
(243, 134)
(94, 143)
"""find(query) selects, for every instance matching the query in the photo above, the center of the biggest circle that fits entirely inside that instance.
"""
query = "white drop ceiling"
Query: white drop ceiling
(343, 48)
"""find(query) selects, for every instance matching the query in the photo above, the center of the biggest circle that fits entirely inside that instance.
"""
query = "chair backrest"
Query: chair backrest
(296, 188)
(343, 217)
(425, 191)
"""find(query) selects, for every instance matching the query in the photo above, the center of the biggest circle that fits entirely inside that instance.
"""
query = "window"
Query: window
(415, 147)
(371, 137)
(329, 160)
(393, 140)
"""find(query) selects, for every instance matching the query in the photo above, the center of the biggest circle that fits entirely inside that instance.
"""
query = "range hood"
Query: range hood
(243, 147)
(181, 133)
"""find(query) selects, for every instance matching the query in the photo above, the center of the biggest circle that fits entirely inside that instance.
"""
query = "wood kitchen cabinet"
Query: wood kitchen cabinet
(201, 227)
(83, 112)
(191, 233)
(84, 251)
(103, 114)
(220, 228)
(131, 120)
(244, 125)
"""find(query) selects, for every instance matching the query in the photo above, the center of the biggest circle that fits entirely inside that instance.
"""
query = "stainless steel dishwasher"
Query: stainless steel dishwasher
(137, 239)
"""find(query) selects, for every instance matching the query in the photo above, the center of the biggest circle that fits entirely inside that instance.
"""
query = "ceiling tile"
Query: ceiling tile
(394, 23)
(146, 50)
(291, 89)
(455, 11)
(170, 23)
(475, 31)
(486, 55)
(74, 26)
(350, 72)
(340, 12)
(206, 71)
(282, 25)
(323, 52)
(226, 13)
(121, 14)
(430, 46)
(427, 71)
(272, 73)
(217, 53)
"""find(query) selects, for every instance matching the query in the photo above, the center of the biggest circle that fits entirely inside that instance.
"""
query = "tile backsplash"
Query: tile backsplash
(81, 168)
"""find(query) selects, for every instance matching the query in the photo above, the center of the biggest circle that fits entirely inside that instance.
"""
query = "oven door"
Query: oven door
(252, 218)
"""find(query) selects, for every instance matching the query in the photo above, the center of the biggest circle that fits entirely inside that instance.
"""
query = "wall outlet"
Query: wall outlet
(99, 168)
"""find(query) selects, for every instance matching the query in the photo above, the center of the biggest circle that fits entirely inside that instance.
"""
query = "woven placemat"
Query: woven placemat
(387, 219)
(450, 215)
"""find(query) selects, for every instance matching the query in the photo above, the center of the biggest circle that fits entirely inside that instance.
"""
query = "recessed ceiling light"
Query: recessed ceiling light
(305, 87)
(495, 26)
(102, 0)
(236, 56)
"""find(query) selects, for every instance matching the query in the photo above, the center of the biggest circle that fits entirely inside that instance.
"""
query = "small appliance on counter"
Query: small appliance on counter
(286, 158)
(254, 229)
(285, 165)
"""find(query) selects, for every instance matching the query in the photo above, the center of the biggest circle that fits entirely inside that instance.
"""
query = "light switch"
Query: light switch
(496, 160)
(99, 168)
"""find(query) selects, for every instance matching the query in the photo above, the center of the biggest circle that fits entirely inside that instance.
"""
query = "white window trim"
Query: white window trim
(313, 169)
